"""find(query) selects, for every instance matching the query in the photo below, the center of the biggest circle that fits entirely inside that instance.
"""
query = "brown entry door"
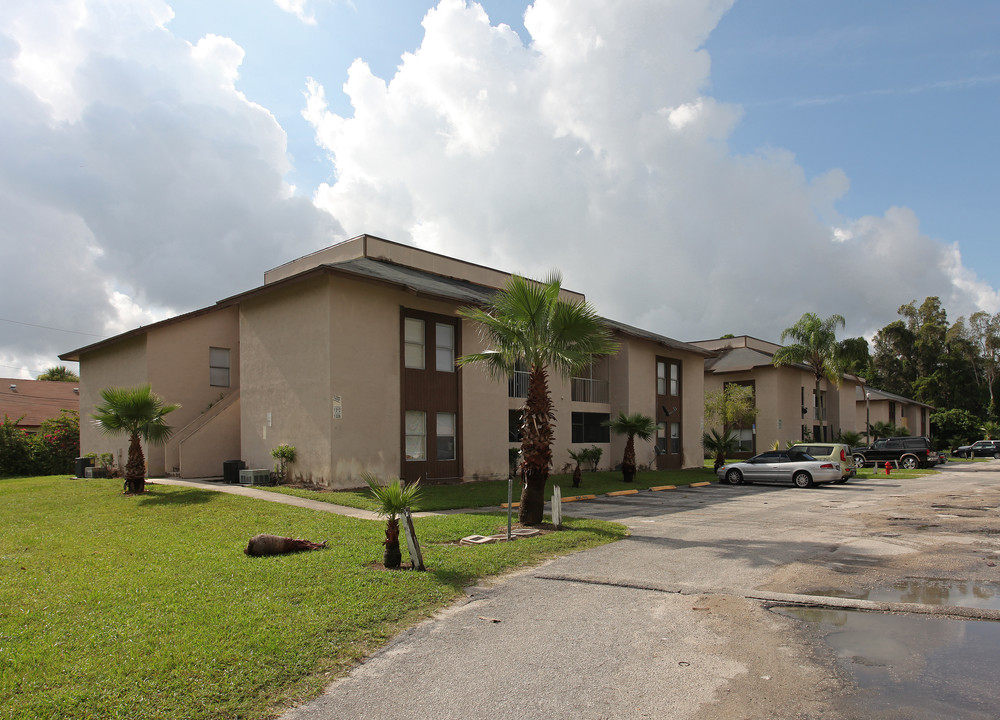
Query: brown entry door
(430, 422)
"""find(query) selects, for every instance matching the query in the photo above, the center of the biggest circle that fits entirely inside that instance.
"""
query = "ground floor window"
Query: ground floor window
(416, 435)
(745, 437)
(675, 438)
(590, 427)
(513, 426)
(446, 436)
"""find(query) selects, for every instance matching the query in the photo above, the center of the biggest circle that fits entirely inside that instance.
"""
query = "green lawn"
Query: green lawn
(490, 493)
(146, 607)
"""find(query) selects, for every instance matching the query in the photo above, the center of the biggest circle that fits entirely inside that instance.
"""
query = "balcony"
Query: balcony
(517, 384)
(589, 390)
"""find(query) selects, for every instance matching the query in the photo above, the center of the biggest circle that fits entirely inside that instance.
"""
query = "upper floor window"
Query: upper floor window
(413, 343)
(444, 335)
(668, 378)
(218, 367)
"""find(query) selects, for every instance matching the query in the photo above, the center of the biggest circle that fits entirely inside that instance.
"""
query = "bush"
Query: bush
(57, 444)
(16, 452)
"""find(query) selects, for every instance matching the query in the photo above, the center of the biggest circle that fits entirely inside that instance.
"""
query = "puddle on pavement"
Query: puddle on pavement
(915, 667)
(930, 591)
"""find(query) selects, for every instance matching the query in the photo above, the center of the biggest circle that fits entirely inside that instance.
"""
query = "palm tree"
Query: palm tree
(882, 429)
(578, 457)
(721, 444)
(528, 324)
(138, 414)
(631, 426)
(816, 346)
(850, 438)
(393, 498)
(59, 373)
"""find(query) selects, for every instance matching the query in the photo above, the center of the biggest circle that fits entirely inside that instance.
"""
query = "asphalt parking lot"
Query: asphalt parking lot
(676, 620)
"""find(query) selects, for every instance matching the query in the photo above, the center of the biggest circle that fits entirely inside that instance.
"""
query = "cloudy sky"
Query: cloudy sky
(696, 167)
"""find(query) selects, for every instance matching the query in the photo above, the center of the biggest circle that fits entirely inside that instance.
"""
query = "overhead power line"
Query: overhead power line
(46, 327)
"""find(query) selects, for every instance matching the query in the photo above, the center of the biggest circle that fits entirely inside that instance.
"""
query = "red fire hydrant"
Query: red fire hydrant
(887, 466)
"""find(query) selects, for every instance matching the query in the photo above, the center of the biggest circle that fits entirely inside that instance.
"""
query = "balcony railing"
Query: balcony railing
(589, 390)
(517, 384)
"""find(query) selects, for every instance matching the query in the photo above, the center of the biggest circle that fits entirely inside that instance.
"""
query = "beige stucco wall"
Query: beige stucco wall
(123, 365)
(178, 360)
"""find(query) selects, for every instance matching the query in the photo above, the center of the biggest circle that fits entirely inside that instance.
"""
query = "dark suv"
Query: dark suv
(980, 448)
(905, 452)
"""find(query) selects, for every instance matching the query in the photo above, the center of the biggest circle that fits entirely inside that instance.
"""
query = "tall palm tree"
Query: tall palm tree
(815, 346)
(631, 426)
(138, 414)
(528, 324)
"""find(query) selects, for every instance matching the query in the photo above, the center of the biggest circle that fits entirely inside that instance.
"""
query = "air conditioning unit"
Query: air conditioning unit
(255, 477)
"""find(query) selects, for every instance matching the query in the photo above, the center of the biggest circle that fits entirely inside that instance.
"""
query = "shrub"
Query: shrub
(57, 444)
(16, 450)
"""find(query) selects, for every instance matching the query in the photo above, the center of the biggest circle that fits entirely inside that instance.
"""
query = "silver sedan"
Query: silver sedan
(798, 468)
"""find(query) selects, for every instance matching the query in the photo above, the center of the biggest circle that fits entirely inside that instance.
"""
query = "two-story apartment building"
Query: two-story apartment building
(349, 355)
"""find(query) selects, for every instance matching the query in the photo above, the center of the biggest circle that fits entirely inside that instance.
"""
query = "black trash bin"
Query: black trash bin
(82, 463)
(231, 471)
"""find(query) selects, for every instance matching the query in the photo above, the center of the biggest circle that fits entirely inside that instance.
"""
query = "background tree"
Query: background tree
(138, 413)
(954, 427)
(731, 406)
(854, 356)
(59, 373)
(815, 346)
(527, 323)
(631, 426)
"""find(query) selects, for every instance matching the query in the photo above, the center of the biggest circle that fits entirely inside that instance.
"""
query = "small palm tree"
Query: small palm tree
(850, 438)
(393, 498)
(991, 430)
(138, 414)
(721, 444)
(631, 426)
(882, 429)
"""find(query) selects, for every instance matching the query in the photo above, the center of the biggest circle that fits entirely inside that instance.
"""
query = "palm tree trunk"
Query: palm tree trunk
(135, 468)
(536, 446)
(392, 558)
(628, 460)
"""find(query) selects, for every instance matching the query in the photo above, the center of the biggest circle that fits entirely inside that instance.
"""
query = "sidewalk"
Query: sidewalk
(271, 497)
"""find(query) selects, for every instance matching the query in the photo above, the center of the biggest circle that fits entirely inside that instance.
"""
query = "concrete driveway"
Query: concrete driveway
(674, 621)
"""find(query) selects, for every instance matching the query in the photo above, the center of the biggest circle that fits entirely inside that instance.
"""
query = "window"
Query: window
(590, 428)
(675, 379)
(413, 343)
(668, 378)
(661, 437)
(445, 436)
(444, 335)
(675, 438)
(218, 367)
(661, 377)
(416, 435)
(513, 426)
(745, 437)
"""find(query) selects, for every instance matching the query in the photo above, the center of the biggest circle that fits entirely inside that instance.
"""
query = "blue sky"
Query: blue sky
(696, 167)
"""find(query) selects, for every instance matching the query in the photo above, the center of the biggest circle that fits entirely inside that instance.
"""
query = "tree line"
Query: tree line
(951, 366)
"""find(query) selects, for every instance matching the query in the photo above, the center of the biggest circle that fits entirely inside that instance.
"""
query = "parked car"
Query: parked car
(834, 452)
(792, 466)
(908, 452)
(980, 448)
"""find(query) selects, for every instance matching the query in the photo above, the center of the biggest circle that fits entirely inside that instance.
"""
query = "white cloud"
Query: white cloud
(596, 148)
(298, 8)
(135, 179)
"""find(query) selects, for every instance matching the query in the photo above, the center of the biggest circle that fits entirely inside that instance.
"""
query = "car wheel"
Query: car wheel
(802, 479)
(859, 460)
(996, 456)
(909, 462)
(734, 477)
(841, 481)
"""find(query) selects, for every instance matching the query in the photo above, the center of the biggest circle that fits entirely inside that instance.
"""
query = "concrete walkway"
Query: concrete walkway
(258, 494)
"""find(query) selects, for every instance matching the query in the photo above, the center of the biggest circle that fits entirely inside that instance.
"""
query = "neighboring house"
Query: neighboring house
(788, 409)
(35, 401)
(873, 406)
(349, 355)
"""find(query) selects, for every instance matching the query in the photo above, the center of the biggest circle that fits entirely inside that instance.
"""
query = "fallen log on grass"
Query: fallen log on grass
(277, 545)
